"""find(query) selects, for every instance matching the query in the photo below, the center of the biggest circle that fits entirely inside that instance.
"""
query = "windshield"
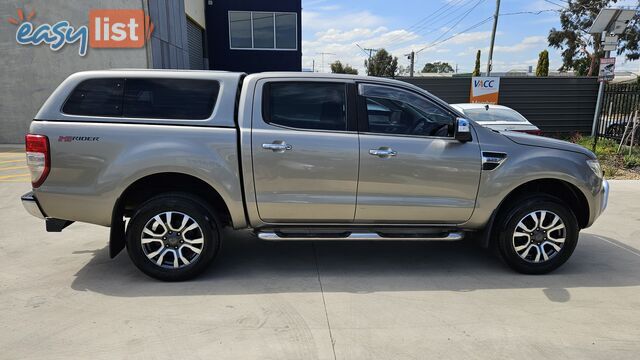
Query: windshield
(494, 114)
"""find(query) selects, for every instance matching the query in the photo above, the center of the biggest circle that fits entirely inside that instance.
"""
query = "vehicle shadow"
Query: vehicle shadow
(246, 265)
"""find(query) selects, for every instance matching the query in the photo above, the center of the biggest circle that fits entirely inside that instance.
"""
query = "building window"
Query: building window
(240, 30)
(286, 34)
(263, 30)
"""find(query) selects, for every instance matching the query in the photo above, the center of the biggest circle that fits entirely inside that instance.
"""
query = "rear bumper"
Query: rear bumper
(30, 203)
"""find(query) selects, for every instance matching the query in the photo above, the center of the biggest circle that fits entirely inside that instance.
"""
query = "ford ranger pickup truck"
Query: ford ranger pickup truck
(166, 159)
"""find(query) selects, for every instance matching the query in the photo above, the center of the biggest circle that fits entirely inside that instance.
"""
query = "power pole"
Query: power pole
(313, 65)
(371, 51)
(456, 68)
(411, 58)
(323, 54)
(493, 37)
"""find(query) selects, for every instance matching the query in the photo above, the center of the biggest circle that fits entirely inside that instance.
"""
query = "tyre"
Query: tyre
(173, 237)
(537, 234)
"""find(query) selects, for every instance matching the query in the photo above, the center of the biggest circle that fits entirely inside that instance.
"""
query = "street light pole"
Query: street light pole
(596, 115)
(493, 37)
(609, 24)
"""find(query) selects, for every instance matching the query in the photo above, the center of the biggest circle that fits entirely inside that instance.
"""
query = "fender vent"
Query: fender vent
(491, 160)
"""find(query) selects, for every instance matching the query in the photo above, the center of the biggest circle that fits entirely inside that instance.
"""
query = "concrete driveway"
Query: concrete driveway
(62, 297)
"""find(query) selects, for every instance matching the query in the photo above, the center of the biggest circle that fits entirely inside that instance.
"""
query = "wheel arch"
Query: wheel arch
(146, 187)
(561, 189)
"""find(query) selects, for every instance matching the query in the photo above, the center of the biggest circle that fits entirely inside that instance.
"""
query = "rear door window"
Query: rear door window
(96, 97)
(306, 105)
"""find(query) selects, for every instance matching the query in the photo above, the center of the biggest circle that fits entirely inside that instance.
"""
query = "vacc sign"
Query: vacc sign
(485, 89)
(108, 28)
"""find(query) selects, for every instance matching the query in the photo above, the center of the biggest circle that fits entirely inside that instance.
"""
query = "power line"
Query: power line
(553, 3)
(458, 34)
(530, 12)
(445, 17)
(421, 23)
(456, 24)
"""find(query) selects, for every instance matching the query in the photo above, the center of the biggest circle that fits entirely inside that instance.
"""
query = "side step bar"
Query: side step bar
(369, 236)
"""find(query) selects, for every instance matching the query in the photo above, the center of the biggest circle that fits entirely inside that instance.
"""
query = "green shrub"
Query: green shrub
(575, 137)
(631, 161)
(610, 171)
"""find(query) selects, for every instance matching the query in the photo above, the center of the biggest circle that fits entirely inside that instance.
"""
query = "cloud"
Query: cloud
(389, 39)
(336, 35)
(315, 20)
(471, 37)
(330, 7)
(337, 38)
(526, 43)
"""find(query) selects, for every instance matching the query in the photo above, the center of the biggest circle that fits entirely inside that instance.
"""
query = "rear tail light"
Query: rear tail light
(38, 158)
(532, 132)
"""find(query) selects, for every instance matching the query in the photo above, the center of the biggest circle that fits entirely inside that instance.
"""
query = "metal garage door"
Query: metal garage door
(196, 44)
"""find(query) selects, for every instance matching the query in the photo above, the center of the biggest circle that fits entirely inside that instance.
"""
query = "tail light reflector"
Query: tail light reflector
(38, 158)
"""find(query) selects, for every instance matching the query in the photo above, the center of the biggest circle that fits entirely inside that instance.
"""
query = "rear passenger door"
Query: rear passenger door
(305, 150)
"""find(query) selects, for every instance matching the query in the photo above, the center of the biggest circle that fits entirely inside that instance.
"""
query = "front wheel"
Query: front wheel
(537, 235)
(172, 237)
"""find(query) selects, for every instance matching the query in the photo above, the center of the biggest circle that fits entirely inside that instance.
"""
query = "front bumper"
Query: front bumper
(605, 195)
(30, 204)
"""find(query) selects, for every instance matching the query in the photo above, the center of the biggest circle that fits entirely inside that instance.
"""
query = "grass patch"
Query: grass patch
(615, 165)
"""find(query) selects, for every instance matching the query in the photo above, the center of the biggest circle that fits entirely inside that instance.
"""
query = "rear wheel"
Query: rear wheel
(172, 237)
(537, 234)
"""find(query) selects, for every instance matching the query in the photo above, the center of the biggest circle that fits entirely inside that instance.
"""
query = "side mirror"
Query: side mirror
(462, 130)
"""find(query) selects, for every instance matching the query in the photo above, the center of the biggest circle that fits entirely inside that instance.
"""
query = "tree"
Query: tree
(403, 71)
(476, 68)
(582, 51)
(543, 64)
(382, 64)
(338, 68)
(437, 67)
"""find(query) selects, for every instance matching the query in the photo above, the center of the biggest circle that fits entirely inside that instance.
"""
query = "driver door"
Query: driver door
(412, 170)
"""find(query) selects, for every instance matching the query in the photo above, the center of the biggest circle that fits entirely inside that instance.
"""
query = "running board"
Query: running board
(369, 236)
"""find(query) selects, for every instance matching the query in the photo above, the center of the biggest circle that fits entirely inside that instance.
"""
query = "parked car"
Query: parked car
(169, 158)
(498, 117)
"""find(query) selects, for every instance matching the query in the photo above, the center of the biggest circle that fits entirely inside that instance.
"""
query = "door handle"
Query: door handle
(383, 152)
(277, 146)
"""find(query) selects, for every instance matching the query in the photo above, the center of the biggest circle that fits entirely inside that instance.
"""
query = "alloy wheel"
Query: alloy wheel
(172, 240)
(539, 236)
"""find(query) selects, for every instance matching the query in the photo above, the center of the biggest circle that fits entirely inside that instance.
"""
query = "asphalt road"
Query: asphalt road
(62, 297)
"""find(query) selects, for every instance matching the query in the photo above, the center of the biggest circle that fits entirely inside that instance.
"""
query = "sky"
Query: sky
(437, 27)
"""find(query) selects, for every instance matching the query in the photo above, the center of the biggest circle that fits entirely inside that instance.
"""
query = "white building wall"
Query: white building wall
(195, 10)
